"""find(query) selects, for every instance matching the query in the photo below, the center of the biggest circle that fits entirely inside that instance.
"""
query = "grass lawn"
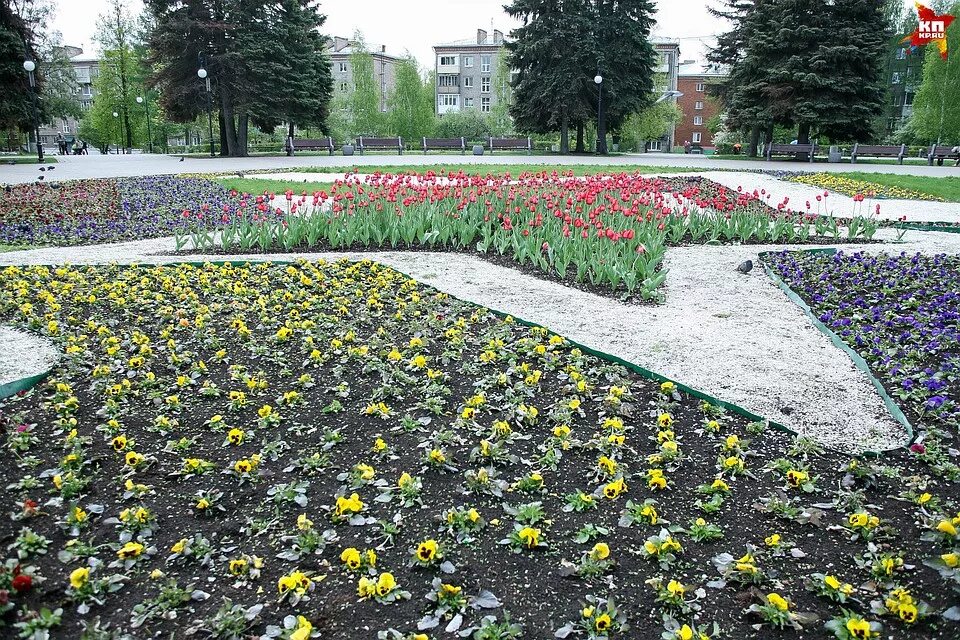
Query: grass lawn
(27, 159)
(255, 186)
(496, 169)
(5, 248)
(946, 188)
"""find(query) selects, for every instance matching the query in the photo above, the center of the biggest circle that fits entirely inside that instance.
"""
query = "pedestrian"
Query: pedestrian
(956, 153)
(76, 147)
(83, 149)
(61, 144)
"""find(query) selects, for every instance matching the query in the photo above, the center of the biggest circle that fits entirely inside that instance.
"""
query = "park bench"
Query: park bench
(939, 153)
(445, 143)
(878, 151)
(774, 149)
(311, 144)
(510, 144)
(364, 143)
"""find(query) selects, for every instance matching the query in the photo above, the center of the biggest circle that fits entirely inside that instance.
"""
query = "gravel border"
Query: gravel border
(24, 354)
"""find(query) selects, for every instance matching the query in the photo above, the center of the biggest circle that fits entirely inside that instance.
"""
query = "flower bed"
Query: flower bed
(860, 188)
(609, 231)
(334, 449)
(97, 211)
(899, 312)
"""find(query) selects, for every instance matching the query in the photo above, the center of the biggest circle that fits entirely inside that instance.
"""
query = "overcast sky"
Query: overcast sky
(416, 25)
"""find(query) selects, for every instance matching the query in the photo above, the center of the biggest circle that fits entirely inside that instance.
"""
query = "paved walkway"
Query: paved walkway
(732, 336)
(112, 166)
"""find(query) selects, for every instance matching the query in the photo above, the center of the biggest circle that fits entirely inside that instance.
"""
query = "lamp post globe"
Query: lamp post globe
(139, 99)
(598, 78)
(29, 66)
(202, 73)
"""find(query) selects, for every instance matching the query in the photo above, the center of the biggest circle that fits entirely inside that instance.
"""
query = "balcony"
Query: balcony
(447, 90)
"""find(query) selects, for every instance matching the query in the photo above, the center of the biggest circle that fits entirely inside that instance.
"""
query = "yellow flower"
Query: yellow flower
(676, 588)
(947, 527)
(924, 498)
(238, 566)
(235, 436)
(613, 489)
(529, 536)
(859, 628)
(379, 445)
(304, 523)
(79, 577)
(119, 443)
(685, 633)
(427, 551)
(265, 411)
(351, 558)
(831, 582)
(778, 601)
(602, 622)
(664, 420)
(908, 613)
(952, 560)
(243, 466)
(772, 540)
(600, 551)
(303, 630)
(133, 459)
(179, 546)
(130, 550)
(385, 584)
(587, 612)
(796, 478)
(667, 388)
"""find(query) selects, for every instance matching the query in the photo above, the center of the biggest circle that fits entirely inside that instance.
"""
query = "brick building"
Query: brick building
(698, 107)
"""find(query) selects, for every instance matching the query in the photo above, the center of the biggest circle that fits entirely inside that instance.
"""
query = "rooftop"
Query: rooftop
(483, 39)
(346, 46)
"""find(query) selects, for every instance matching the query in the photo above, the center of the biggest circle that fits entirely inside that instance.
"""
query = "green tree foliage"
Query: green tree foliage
(99, 127)
(115, 35)
(257, 54)
(651, 123)
(288, 49)
(559, 48)
(364, 98)
(468, 123)
(501, 124)
(411, 114)
(936, 108)
(808, 64)
(553, 67)
(16, 102)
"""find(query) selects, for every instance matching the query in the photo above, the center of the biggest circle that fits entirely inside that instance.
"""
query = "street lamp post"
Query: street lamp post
(202, 74)
(116, 118)
(146, 108)
(601, 123)
(30, 66)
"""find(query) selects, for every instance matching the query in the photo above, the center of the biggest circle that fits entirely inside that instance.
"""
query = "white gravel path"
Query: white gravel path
(732, 336)
(24, 354)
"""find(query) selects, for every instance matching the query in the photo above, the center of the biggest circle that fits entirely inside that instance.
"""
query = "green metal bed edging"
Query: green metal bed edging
(15, 387)
(919, 226)
(857, 359)
(635, 368)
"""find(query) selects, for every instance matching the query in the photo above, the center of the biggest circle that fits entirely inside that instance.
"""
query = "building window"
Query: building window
(697, 136)
(468, 62)
(901, 54)
(485, 84)
(468, 82)
(698, 105)
(896, 100)
(896, 78)
(448, 81)
(908, 99)
(448, 61)
(448, 100)
(485, 105)
(468, 102)
(700, 87)
(66, 126)
(87, 90)
(343, 67)
(698, 120)
(485, 64)
(343, 86)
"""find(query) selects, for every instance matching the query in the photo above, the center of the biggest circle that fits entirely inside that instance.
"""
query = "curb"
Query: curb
(858, 360)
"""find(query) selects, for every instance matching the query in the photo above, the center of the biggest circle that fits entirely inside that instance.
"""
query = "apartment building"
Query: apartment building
(86, 67)
(384, 67)
(466, 72)
(667, 71)
(697, 106)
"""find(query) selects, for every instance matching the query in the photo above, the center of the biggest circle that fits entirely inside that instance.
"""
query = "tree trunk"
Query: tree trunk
(291, 130)
(754, 141)
(230, 123)
(223, 134)
(243, 126)
(564, 133)
(581, 147)
(803, 137)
